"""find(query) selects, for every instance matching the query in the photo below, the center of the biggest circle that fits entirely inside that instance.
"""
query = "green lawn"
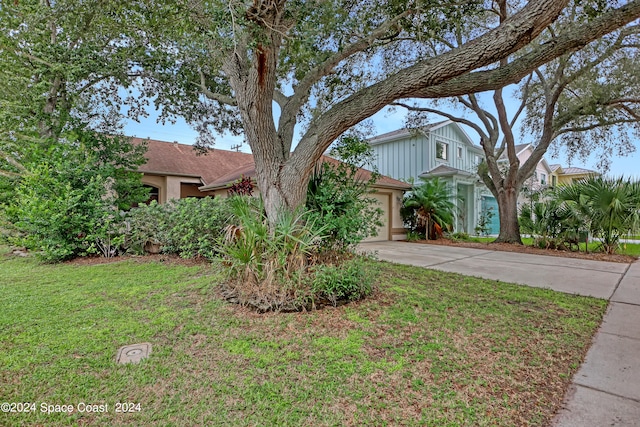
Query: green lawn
(632, 249)
(429, 348)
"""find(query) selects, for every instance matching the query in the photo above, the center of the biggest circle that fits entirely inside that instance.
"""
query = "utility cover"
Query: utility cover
(133, 353)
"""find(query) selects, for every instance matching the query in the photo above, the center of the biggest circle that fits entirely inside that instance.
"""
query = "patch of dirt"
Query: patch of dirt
(508, 247)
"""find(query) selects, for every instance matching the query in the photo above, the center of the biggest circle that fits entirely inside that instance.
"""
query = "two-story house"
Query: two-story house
(442, 150)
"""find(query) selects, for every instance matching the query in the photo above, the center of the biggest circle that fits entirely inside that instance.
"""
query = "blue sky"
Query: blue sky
(384, 121)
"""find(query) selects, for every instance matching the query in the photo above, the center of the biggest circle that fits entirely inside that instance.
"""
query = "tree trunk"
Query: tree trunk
(508, 209)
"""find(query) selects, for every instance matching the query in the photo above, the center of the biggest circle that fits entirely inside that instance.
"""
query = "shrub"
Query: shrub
(339, 198)
(609, 207)
(145, 225)
(66, 202)
(268, 265)
(348, 281)
(194, 226)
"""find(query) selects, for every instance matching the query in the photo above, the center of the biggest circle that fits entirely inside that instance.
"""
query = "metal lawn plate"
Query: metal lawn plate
(133, 353)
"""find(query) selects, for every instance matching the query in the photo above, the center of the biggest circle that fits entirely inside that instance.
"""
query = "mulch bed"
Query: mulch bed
(508, 247)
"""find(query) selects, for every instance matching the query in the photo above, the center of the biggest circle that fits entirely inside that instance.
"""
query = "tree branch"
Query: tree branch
(443, 114)
(223, 99)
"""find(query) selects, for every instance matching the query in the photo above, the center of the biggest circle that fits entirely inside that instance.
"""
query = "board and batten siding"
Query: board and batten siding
(403, 158)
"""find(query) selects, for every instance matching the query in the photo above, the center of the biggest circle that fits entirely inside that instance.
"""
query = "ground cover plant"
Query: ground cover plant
(428, 348)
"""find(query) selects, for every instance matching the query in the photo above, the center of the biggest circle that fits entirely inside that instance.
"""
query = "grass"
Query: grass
(429, 349)
(632, 249)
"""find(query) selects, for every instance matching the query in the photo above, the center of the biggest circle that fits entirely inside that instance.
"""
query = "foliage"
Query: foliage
(61, 65)
(195, 225)
(551, 224)
(66, 204)
(428, 204)
(268, 263)
(484, 222)
(188, 227)
(610, 207)
(351, 280)
(460, 236)
(414, 236)
(339, 197)
(242, 187)
(145, 225)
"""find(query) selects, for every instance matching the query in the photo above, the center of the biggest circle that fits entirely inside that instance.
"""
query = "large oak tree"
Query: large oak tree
(321, 63)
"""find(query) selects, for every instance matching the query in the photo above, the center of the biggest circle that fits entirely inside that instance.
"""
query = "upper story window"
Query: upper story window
(459, 152)
(442, 150)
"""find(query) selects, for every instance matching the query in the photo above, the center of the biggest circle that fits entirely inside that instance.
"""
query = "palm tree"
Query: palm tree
(610, 207)
(431, 203)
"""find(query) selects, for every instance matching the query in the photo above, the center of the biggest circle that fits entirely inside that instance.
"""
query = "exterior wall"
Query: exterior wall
(160, 183)
(170, 187)
(570, 179)
(390, 201)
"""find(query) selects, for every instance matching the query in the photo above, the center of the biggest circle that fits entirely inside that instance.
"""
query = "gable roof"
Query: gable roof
(404, 132)
(407, 133)
(217, 168)
(578, 171)
(171, 158)
(519, 149)
(249, 171)
(444, 170)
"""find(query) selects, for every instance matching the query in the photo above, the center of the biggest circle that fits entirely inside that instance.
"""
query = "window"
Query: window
(459, 152)
(441, 150)
(554, 180)
(543, 179)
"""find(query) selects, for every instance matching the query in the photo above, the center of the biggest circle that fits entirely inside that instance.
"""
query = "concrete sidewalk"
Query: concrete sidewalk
(606, 389)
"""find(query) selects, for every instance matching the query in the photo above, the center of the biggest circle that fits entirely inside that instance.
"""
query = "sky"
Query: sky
(384, 121)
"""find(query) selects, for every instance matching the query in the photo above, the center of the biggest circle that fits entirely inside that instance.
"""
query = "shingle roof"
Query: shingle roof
(249, 171)
(578, 171)
(217, 168)
(403, 132)
(444, 170)
(169, 158)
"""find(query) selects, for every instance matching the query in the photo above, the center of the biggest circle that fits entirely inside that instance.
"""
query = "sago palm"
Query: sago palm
(433, 204)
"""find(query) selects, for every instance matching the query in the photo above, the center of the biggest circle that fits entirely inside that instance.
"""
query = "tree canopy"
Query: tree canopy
(235, 65)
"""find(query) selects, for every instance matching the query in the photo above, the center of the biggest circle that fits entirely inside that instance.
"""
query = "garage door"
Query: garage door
(382, 200)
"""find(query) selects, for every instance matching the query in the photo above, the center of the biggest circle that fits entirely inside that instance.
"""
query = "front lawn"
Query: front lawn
(429, 348)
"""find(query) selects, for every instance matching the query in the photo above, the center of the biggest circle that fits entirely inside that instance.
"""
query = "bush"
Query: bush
(348, 281)
(66, 202)
(188, 227)
(194, 226)
(58, 218)
(268, 265)
(339, 199)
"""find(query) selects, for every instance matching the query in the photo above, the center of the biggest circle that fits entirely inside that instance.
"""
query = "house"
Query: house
(176, 171)
(569, 175)
(442, 150)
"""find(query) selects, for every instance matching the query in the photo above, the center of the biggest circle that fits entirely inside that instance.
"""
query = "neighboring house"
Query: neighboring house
(175, 171)
(442, 150)
(569, 175)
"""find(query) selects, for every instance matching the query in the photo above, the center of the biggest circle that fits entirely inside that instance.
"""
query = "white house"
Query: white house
(441, 150)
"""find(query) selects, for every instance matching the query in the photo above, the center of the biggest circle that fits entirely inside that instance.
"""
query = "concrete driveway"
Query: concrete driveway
(606, 389)
(570, 275)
